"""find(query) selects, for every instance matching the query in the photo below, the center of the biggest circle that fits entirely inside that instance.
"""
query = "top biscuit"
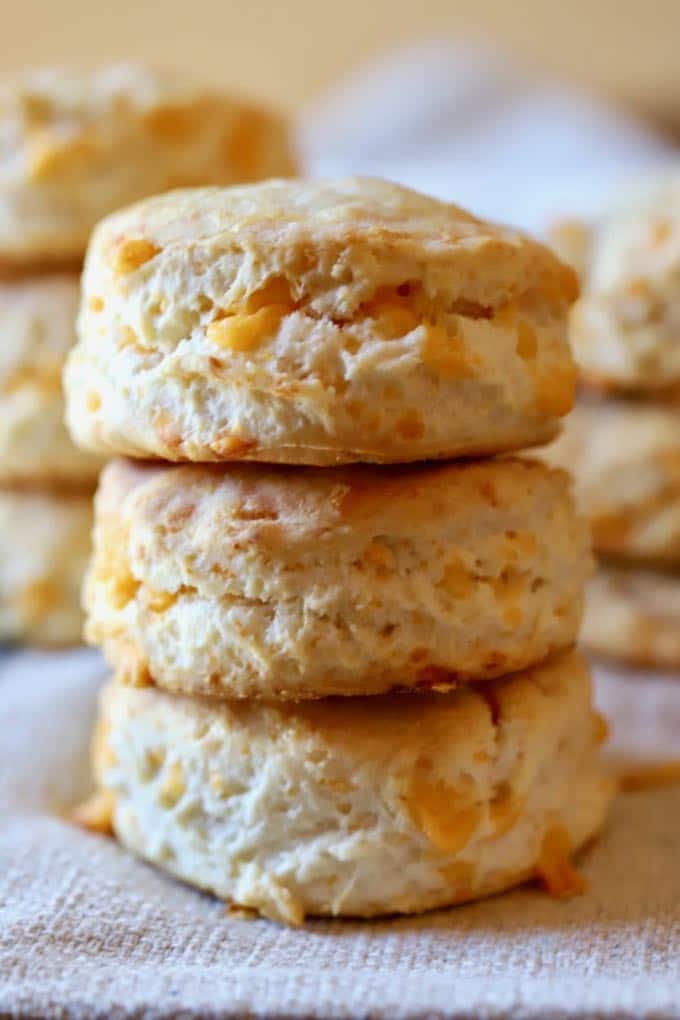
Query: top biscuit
(626, 326)
(317, 323)
(74, 146)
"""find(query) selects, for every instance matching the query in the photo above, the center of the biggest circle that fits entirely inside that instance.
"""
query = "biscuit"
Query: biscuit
(37, 324)
(358, 806)
(44, 548)
(316, 323)
(625, 456)
(77, 145)
(626, 326)
(243, 581)
(632, 614)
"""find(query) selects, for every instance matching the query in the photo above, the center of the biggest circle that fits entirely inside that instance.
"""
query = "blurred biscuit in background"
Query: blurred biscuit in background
(73, 147)
(634, 615)
(626, 325)
(37, 323)
(44, 548)
(77, 145)
(625, 456)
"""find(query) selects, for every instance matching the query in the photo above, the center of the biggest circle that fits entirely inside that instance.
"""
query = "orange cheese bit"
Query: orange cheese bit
(173, 786)
(123, 587)
(96, 813)
(527, 345)
(274, 292)
(171, 123)
(554, 866)
(50, 156)
(456, 579)
(245, 144)
(244, 332)
(510, 591)
(440, 812)
(132, 254)
(410, 425)
(393, 321)
(601, 728)
(460, 874)
(444, 353)
(158, 601)
(650, 777)
(555, 391)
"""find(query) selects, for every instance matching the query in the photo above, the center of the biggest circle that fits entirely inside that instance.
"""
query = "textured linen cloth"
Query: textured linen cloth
(88, 931)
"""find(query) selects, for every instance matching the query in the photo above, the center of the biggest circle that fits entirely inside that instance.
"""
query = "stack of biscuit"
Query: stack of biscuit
(623, 441)
(344, 679)
(73, 147)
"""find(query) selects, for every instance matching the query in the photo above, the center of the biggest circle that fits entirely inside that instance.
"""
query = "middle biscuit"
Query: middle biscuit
(294, 583)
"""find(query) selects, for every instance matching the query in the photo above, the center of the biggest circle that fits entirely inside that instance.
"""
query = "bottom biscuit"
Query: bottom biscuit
(44, 548)
(633, 614)
(358, 806)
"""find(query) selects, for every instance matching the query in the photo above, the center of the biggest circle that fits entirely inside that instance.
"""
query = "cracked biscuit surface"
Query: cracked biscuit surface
(310, 322)
(44, 548)
(245, 581)
(360, 806)
(37, 323)
(75, 145)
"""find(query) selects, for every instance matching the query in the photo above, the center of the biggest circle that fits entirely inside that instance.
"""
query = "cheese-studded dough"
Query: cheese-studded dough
(244, 581)
(317, 323)
(358, 806)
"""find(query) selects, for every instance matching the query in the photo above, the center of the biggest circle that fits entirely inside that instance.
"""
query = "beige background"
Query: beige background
(291, 51)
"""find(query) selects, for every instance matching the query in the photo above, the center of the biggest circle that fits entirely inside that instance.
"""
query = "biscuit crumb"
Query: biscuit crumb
(554, 865)
(96, 813)
(651, 777)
